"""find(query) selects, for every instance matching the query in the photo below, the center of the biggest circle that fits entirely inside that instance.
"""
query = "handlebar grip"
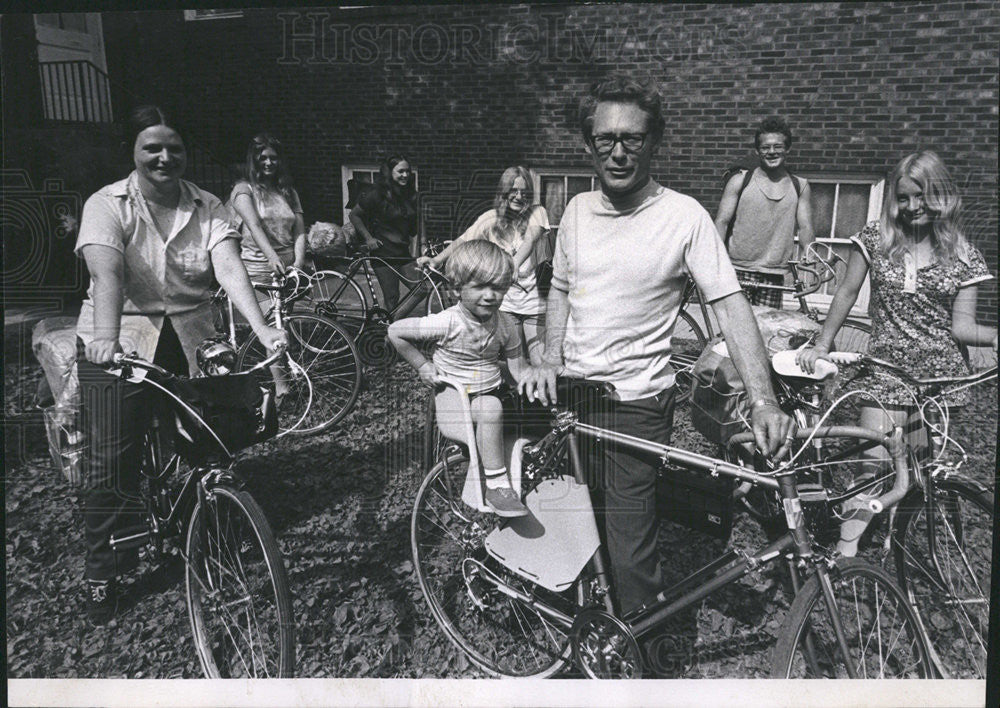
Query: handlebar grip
(844, 357)
(117, 358)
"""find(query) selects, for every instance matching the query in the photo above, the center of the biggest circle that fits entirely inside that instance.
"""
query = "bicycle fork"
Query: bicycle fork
(793, 516)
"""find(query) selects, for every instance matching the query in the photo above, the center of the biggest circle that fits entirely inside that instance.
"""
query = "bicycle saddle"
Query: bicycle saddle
(784, 365)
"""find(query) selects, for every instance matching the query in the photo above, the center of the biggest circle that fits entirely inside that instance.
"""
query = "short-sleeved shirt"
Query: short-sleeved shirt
(389, 219)
(164, 275)
(913, 329)
(624, 274)
(468, 351)
(278, 216)
(523, 297)
(763, 237)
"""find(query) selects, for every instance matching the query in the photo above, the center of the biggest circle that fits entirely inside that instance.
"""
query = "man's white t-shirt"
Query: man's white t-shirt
(624, 274)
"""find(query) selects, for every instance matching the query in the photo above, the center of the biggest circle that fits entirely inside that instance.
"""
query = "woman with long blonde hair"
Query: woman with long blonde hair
(924, 277)
(518, 227)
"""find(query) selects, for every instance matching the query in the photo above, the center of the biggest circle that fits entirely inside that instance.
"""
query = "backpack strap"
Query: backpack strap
(732, 221)
(743, 186)
(795, 183)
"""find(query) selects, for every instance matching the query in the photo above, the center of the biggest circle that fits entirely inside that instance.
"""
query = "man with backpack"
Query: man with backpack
(760, 213)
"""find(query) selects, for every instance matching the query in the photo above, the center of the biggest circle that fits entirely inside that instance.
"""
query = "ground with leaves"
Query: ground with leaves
(340, 507)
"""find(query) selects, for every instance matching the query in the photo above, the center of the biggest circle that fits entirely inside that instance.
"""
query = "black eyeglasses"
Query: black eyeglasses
(517, 191)
(605, 142)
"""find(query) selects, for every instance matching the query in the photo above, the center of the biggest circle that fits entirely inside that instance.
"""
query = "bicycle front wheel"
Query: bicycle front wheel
(467, 591)
(686, 345)
(852, 337)
(237, 591)
(323, 386)
(942, 550)
(339, 298)
(881, 631)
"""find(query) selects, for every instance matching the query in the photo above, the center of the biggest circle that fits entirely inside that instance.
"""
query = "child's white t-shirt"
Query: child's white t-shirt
(468, 351)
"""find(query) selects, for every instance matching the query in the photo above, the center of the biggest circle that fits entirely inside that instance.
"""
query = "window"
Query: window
(211, 14)
(362, 173)
(556, 188)
(72, 68)
(841, 205)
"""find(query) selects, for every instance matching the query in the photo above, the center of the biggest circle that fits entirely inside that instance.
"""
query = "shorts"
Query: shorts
(769, 297)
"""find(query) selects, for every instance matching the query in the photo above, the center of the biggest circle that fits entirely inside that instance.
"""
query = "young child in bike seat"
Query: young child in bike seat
(470, 339)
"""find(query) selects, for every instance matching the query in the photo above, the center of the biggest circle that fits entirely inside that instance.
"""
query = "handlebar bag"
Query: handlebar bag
(235, 409)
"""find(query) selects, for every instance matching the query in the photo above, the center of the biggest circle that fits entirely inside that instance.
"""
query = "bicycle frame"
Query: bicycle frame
(164, 514)
(420, 289)
(795, 546)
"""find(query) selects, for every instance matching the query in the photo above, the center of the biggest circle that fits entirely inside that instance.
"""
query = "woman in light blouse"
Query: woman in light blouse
(268, 211)
(152, 243)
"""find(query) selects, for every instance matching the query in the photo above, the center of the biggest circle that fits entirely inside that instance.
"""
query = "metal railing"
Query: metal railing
(75, 91)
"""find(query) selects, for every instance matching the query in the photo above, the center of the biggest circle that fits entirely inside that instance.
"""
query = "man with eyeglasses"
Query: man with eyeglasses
(762, 210)
(623, 255)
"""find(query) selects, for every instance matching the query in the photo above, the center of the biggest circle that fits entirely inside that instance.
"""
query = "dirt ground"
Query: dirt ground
(340, 507)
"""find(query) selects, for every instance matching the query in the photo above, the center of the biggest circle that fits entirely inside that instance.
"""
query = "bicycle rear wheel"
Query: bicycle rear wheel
(439, 298)
(882, 632)
(339, 298)
(237, 591)
(500, 634)
(942, 551)
(686, 345)
(326, 388)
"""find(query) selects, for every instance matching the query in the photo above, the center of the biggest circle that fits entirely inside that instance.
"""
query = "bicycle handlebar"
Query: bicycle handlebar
(800, 288)
(856, 358)
(120, 359)
(893, 442)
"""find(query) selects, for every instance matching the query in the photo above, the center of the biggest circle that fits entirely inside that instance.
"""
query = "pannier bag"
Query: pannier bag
(718, 400)
(238, 411)
(53, 341)
(696, 500)
(718, 397)
(328, 240)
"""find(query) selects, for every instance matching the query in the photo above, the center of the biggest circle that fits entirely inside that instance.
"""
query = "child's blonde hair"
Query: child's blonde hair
(480, 262)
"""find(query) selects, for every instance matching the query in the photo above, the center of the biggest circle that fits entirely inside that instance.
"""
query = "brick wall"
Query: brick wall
(468, 90)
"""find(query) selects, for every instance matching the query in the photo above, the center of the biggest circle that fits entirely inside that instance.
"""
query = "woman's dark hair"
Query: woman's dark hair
(623, 88)
(390, 188)
(394, 202)
(143, 117)
(251, 168)
(774, 124)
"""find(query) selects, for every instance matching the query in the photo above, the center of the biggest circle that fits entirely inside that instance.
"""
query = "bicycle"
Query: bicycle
(323, 377)
(526, 597)
(939, 536)
(237, 595)
(337, 294)
(689, 339)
